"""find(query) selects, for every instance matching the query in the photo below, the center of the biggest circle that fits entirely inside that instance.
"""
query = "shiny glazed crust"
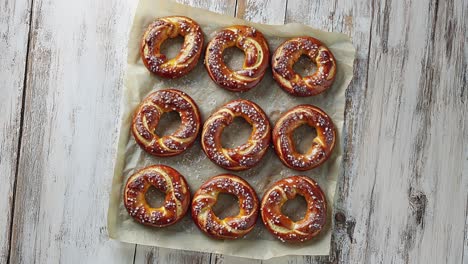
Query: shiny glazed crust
(171, 27)
(247, 155)
(322, 144)
(281, 226)
(165, 179)
(230, 227)
(146, 119)
(287, 54)
(256, 51)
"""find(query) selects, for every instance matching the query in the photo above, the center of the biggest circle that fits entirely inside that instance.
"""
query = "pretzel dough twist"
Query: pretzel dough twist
(281, 226)
(256, 51)
(147, 117)
(230, 227)
(165, 179)
(322, 144)
(247, 155)
(171, 27)
(287, 54)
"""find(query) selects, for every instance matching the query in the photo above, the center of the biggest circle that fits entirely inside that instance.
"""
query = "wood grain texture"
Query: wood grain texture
(424, 132)
(403, 197)
(14, 30)
(404, 186)
(355, 19)
(223, 7)
(267, 12)
(74, 74)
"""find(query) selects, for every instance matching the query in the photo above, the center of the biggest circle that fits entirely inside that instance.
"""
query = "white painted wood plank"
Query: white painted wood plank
(406, 189)
(154, 255)
(14, 29)
(75, 72)
(394, 129)
(267, 12)
(465, 250)
(353, 18)
(222, 7)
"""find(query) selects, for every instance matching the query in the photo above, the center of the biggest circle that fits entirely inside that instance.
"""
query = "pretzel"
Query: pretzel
(146, 119)
(281, 226)
(230, 227)
(322, 144)
(165, 179)
(256, 51)
(287, 54)
(247, 155)
(171, 27)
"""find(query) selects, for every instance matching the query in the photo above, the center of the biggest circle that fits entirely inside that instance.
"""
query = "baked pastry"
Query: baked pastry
(322, 144)
(165, 179)
(281, 226)
(171, 27)
(252, 43)
(146, 119)
(230, 227)
(287, 54)
(247, 155)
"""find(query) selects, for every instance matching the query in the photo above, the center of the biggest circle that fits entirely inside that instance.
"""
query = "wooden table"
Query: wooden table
(403, 196)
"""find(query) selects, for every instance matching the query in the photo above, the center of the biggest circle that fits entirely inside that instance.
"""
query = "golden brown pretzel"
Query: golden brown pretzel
(165, 179)
(247, 155)
(322, 144)
(287, 54)
(147, 117)
(256, 51)
(282, 226)
(230, 227)
(170, 27)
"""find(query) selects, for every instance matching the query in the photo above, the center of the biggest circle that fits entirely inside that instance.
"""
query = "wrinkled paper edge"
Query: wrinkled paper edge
(239, 248)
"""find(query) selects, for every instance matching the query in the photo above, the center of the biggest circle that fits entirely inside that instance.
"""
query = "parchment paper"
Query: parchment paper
(194, 165)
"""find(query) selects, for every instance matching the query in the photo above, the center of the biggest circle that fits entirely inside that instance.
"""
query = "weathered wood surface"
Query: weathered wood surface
(406, 189)
(14, 28)
(72, 89)
(403, 197)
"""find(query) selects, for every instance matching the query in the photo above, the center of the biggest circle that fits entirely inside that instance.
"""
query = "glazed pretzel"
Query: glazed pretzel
(256, 51)
(287, 54)
(282, 226)
(147, 117)
(165, 179)
(322, 144)
(230, 227)
(170, 27)
(247, 155)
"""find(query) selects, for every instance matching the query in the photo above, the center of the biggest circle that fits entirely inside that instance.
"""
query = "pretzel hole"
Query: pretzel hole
(227, 205)
(236, 134)
(155, 198)
(168, 123)
(172, 46)
(304, 66)
(303, 136)
(234, 58)
(295, 208)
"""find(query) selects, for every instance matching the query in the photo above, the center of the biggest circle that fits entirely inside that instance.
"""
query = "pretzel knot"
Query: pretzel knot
(244, 156)
(282, 226)
(288, 53)
(147, 117)
(165, 179)
(322, 144)
(252, 43)
(230, 227)
(171, 27)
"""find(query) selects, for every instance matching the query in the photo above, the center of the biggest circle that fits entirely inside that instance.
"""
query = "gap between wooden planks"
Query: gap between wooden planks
(409, 78)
